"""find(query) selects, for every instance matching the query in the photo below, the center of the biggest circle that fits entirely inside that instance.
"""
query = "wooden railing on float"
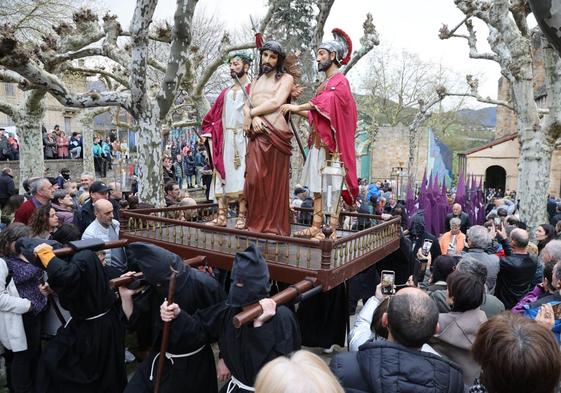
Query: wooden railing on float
(184, 231)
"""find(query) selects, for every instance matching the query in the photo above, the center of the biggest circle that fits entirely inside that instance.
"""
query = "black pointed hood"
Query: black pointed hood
(249, 279)
(155, 263)
(26, 245)
(417, 228)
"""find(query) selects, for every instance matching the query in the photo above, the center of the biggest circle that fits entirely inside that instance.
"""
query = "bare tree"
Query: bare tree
(538, 128)
(30, 20)
(403, 89)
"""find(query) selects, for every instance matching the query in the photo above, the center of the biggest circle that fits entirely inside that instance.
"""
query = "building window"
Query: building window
(9, 89)
(68, 125)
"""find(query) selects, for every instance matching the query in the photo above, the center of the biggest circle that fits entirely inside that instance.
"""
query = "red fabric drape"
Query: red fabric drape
(266, 182)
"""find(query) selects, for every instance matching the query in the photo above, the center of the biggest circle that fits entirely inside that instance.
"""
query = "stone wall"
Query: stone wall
(52, 168)
(506, 120)
(391, 149)
(55, 113)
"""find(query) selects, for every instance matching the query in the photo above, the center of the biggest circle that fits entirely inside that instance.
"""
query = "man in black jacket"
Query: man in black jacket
(516, 269)
(7, 186)
(457, 212)
(398, 365)
(85, 215)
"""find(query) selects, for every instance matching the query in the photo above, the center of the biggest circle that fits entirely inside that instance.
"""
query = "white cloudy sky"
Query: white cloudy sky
(409, 24)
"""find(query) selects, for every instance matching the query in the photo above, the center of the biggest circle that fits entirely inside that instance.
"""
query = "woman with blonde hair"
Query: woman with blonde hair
(303, 372)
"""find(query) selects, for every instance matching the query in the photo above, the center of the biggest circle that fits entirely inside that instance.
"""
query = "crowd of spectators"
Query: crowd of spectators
(473, 309)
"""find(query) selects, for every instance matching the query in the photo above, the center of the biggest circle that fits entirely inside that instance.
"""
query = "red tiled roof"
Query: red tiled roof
(495, 142)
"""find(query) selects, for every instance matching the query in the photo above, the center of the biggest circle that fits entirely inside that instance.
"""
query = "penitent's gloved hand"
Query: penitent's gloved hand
(45, 253)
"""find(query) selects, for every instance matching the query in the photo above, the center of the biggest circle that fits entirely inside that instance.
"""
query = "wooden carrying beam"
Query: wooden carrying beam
(120, 281)
(95, 245)
(282, 297)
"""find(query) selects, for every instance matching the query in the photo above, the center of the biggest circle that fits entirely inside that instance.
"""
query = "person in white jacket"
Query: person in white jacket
(12, 306)
(12, 335)
(364, 329)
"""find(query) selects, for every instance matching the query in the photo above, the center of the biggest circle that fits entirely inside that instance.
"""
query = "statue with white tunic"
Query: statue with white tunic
(224, 124)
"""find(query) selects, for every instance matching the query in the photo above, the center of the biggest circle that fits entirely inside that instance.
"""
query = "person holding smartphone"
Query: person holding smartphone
(421, 240)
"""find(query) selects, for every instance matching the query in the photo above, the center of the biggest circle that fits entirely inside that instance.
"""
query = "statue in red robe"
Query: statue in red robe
(269, 147)
(332, 115)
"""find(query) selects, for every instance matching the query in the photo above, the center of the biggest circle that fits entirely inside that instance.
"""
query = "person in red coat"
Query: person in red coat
(42, 192)
(332, 115)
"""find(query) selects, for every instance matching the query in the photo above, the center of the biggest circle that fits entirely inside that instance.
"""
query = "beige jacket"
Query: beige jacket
(457, 334)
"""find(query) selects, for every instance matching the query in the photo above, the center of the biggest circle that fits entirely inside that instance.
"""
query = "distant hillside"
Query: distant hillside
(486, 117)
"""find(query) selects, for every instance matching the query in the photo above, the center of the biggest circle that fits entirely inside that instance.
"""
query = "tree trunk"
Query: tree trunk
(28, 125)
(536, 151)
(86, 121)
(533, 177)
(150, 160)
(31, 161)
(87, 152)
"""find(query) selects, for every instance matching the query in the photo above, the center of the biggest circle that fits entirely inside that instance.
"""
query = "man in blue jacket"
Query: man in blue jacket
(399, 365)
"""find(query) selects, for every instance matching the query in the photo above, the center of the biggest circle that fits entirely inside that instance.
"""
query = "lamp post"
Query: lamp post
(399, 175)
(332, 177)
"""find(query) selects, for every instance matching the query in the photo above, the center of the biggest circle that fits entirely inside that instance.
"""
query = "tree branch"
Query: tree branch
(473, 84)
(97, 71)
(324, 10)
(268, 16)
(181, 39)
(88, 52)
(156, 64)
(520, 11)
(211, 68)
(51, 83)
(471, 38)
(367, 42)
(8, 109)
(185, 123)
(118, 123)
(8, 76)
(141, 20)
(552, 123)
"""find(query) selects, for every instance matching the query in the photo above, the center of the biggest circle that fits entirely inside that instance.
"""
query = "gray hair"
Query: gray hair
(88, 174)
(38, 185)
(552, 250)
(455, 221)
(59, 194)
(470, 264)
(557, 270)
(479, 237)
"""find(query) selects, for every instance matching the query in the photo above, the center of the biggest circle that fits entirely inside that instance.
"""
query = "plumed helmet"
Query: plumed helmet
(249, 278)
(341, 45)
(273, 46)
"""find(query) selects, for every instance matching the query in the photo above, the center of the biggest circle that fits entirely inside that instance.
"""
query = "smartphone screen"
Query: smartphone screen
(426, 247)
(388, 281)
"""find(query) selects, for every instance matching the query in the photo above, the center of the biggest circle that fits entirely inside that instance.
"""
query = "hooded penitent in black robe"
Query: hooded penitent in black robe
(246, 350)
(194, 290)
(86, 355)
(323, 318)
